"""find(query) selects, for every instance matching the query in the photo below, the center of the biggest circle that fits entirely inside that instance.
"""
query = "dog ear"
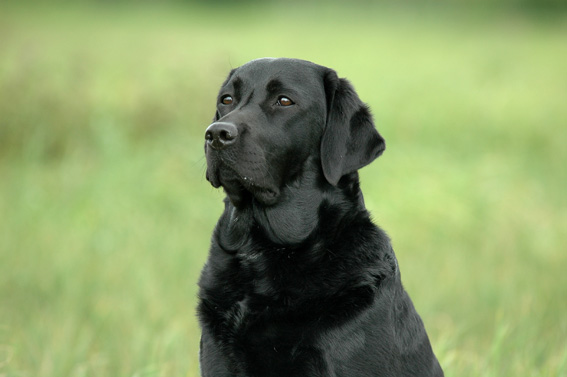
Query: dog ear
(350, 140)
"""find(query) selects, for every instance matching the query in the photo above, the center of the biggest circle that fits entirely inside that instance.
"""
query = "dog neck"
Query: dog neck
(307, 207)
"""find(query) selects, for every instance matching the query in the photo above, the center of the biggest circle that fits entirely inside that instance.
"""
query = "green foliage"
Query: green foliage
(106, 214)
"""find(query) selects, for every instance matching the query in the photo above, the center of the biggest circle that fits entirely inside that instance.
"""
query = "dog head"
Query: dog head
(274, 115)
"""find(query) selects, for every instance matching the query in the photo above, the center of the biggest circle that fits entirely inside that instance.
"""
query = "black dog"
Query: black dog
(299, 281)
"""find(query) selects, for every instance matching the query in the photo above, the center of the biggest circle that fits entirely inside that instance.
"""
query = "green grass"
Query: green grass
(106, 214)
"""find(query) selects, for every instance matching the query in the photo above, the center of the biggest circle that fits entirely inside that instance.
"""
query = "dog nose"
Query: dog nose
(220, 135)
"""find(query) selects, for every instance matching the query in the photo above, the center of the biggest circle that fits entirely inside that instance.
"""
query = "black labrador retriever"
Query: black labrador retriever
(299, 281)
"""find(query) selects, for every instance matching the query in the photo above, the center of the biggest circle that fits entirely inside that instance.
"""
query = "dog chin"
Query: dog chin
(266, 197)
(240, 195)
(240, 189)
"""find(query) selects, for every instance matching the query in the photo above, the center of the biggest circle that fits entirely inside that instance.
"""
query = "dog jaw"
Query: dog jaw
(238, 188)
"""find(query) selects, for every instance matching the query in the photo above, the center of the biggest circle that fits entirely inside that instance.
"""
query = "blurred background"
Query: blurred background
(106, 214)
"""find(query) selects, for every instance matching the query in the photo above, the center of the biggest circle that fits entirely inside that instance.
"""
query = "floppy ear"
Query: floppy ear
(350, 140)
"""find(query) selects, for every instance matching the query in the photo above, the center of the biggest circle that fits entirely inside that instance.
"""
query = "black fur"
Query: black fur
(299, 281)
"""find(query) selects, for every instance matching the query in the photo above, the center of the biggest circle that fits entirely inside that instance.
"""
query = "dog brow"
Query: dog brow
(237, 85)
(274, 86)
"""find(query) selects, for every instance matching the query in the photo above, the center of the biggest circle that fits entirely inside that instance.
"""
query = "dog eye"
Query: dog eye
(284, 101)
(226, 100)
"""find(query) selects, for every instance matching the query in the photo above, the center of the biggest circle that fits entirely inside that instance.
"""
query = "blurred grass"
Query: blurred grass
(106, 215)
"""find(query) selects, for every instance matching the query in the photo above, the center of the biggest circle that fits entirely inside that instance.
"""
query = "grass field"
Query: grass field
(106, 214)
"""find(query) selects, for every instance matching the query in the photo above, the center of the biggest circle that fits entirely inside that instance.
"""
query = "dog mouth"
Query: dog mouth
(238, 186)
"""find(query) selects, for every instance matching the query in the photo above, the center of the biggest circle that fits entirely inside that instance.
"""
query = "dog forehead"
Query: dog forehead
(299, 74)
